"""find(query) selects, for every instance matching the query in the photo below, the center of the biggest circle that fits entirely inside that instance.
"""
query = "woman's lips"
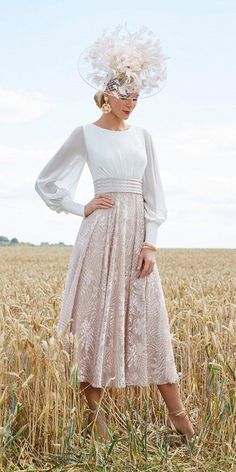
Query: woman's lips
(127, 112)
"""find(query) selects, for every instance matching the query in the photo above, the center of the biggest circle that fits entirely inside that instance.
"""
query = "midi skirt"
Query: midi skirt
(119, 321)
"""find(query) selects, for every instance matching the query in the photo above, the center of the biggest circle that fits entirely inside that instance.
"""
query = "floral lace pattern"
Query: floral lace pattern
(120, 321)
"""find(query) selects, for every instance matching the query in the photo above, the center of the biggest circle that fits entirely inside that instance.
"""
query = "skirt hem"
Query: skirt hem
(132, 384)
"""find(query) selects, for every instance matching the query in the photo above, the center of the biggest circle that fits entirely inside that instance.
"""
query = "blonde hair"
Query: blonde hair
(99, 98)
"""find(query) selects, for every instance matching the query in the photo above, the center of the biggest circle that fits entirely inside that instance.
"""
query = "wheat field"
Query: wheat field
(42, 410)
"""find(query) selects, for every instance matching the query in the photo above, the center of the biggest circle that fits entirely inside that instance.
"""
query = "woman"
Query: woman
(113, 299)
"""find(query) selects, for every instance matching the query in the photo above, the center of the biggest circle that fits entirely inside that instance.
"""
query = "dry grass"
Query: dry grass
(42, 411)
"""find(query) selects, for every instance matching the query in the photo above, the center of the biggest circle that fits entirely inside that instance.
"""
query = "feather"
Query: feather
(138, 56)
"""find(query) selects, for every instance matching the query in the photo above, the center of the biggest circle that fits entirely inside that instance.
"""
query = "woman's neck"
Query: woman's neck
(111, 122)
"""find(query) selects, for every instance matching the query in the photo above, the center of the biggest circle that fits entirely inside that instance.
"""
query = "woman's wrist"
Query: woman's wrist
(149, 246)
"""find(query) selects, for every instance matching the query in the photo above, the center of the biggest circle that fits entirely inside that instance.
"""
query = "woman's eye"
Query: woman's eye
(125, 98)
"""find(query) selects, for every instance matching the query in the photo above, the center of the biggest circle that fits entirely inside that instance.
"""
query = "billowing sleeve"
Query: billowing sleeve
(57, 182)
(155, 209)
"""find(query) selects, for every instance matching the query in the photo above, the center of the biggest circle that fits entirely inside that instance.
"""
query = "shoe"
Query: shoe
(189, 435)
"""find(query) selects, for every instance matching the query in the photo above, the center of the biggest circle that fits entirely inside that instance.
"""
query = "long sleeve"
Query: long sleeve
(155, 209)
(57, 181)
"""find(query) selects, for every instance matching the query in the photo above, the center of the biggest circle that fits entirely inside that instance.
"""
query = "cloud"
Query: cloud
(22, 106)
(197, 165)
(205, 149)
(201, 187)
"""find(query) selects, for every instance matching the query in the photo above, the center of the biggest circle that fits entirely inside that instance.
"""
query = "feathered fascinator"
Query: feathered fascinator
(124, 64)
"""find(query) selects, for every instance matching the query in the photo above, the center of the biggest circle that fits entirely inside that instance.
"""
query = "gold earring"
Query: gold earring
(106, 107)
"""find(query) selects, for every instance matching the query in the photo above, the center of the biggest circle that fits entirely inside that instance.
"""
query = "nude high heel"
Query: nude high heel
(185, 435)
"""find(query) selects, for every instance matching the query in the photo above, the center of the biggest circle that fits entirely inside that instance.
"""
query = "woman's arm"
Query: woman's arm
(58, 180)
(154, 199)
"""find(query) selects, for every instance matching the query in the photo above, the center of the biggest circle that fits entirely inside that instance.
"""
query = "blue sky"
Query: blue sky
(193, 123)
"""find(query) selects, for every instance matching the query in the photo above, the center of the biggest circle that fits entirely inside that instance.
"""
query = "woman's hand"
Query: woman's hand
(99, 201)
(146, 261)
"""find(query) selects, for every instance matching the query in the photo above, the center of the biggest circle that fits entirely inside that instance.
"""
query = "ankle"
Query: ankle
(179, 412)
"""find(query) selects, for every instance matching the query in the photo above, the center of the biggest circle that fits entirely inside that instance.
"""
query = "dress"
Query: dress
(120, 321)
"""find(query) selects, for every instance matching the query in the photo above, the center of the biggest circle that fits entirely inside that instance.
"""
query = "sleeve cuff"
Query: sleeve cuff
(70, 206)
(151, 232)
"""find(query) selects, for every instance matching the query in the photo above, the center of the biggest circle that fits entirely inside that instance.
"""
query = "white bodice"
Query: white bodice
(127, 154)
(115, 153)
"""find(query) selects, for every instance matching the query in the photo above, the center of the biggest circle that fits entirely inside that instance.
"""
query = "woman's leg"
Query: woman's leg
(171, 396)
(93, 396)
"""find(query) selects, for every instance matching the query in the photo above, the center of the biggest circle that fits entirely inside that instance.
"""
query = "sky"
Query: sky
(192, 120)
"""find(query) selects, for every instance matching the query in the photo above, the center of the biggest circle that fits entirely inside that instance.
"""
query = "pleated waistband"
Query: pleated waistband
(110, 184)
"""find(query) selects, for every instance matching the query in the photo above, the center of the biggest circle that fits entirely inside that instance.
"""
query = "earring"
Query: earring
(106, 107)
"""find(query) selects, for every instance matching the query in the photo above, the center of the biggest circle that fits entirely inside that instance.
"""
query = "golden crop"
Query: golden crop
(42, 410)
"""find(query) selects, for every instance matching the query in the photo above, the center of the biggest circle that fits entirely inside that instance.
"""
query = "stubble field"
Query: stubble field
(42, 411)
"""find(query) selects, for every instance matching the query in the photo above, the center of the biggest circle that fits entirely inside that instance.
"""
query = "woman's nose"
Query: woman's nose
(129, 101)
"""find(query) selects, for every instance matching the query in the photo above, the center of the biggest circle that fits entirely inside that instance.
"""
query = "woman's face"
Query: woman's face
(122, 107)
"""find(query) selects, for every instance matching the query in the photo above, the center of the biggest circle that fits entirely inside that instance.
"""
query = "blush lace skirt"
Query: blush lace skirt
(120, 321)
